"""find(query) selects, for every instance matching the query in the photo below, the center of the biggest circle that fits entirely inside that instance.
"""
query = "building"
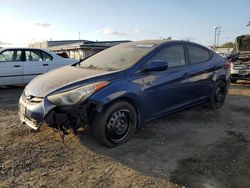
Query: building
(77, 49)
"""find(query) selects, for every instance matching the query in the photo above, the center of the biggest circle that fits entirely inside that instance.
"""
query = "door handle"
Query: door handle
(46, 64)
(17, 66)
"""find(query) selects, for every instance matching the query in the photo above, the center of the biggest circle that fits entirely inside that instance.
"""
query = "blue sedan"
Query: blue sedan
(118, 90)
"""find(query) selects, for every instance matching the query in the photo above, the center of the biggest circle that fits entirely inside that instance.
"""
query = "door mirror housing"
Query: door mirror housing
(155, 66)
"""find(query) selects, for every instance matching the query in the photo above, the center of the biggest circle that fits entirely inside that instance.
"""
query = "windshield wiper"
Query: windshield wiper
(81, 60)
(109, 69)
(77, 63)
(97, 68)
(91, 67)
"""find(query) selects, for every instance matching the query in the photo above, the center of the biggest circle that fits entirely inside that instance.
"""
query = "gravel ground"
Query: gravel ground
(195, 148)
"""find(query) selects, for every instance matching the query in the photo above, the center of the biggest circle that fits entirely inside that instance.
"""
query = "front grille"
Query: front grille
(32, 99)
(36, 99)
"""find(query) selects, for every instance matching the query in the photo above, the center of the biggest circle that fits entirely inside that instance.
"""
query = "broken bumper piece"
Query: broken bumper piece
(34, 114)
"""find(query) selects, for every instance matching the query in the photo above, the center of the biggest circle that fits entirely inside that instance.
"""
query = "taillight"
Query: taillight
(227, 64)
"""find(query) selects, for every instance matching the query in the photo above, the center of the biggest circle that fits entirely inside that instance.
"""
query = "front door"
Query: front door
(11, 67)
(167, 90)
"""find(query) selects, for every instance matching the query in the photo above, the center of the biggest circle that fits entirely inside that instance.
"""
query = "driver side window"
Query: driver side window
(173, 55)
(11, 56)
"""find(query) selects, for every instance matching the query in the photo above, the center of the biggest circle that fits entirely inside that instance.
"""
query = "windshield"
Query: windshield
(119, 57)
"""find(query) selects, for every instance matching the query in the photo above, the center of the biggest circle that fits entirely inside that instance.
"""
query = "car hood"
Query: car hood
(49, 82)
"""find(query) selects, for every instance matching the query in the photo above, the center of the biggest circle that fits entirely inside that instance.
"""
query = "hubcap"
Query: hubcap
(118, 124)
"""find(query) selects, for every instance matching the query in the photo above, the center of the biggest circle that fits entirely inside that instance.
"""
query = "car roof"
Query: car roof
(20, 48)
(150, 42)
(162, 42)
(25, 48)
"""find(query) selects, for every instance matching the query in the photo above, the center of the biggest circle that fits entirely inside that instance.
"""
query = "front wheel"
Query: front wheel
(218, 96)
(115, 125)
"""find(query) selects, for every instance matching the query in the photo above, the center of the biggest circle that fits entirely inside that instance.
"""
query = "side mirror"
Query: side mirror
(156, 65)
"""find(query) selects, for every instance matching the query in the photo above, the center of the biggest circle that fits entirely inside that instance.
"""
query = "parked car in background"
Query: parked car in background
(240, 57)
(120, 89)
(21, 65)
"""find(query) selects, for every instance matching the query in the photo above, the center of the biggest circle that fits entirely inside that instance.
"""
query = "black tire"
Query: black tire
(233, 80)
(115, 125)
(218, 96)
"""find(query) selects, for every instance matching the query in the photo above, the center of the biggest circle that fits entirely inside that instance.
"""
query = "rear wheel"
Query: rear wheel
(218, 96)
(115, 125)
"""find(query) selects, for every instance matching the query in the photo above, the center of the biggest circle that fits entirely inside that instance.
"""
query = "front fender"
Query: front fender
(126, 90)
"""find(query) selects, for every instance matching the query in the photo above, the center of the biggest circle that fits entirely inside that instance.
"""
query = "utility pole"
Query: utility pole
(215, 35)
(218, 36)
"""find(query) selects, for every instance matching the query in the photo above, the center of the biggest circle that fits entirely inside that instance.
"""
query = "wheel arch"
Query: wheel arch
(99, 109)
(221, 78)
(225, 81)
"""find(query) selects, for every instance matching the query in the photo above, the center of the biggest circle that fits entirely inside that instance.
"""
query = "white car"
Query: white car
(21, 65)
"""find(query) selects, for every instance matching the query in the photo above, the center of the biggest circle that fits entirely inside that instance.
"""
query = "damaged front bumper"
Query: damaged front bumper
(34, 114)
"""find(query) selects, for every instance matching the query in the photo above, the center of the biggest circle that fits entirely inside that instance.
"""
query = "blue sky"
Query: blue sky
(26, 21)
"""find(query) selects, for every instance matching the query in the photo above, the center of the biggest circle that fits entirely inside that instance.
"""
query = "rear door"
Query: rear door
(34, 64)
(200, 71)
(47, 61)
(11, 67)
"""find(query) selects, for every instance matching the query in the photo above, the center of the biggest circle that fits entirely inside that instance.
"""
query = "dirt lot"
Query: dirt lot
(195, 148)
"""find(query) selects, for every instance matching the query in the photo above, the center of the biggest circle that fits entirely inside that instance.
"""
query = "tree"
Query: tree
(248, 25)
(228, 45)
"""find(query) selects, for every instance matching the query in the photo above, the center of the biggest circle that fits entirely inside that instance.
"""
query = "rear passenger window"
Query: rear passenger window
(33, 55)
(173, 55)
(197, 54)
(45, 56)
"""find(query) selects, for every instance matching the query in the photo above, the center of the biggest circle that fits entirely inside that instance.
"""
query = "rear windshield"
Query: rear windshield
(118, 57)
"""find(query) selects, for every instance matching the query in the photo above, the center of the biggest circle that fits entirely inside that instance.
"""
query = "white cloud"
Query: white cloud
(43, 24)
(4, 43)
(136, 30)
(108, 31)
(22, 33)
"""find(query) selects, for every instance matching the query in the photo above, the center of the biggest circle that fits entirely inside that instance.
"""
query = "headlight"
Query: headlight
(76, 96)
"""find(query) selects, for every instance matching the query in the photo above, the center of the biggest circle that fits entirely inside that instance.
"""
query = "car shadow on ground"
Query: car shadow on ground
(9, 95)
(196, 148)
